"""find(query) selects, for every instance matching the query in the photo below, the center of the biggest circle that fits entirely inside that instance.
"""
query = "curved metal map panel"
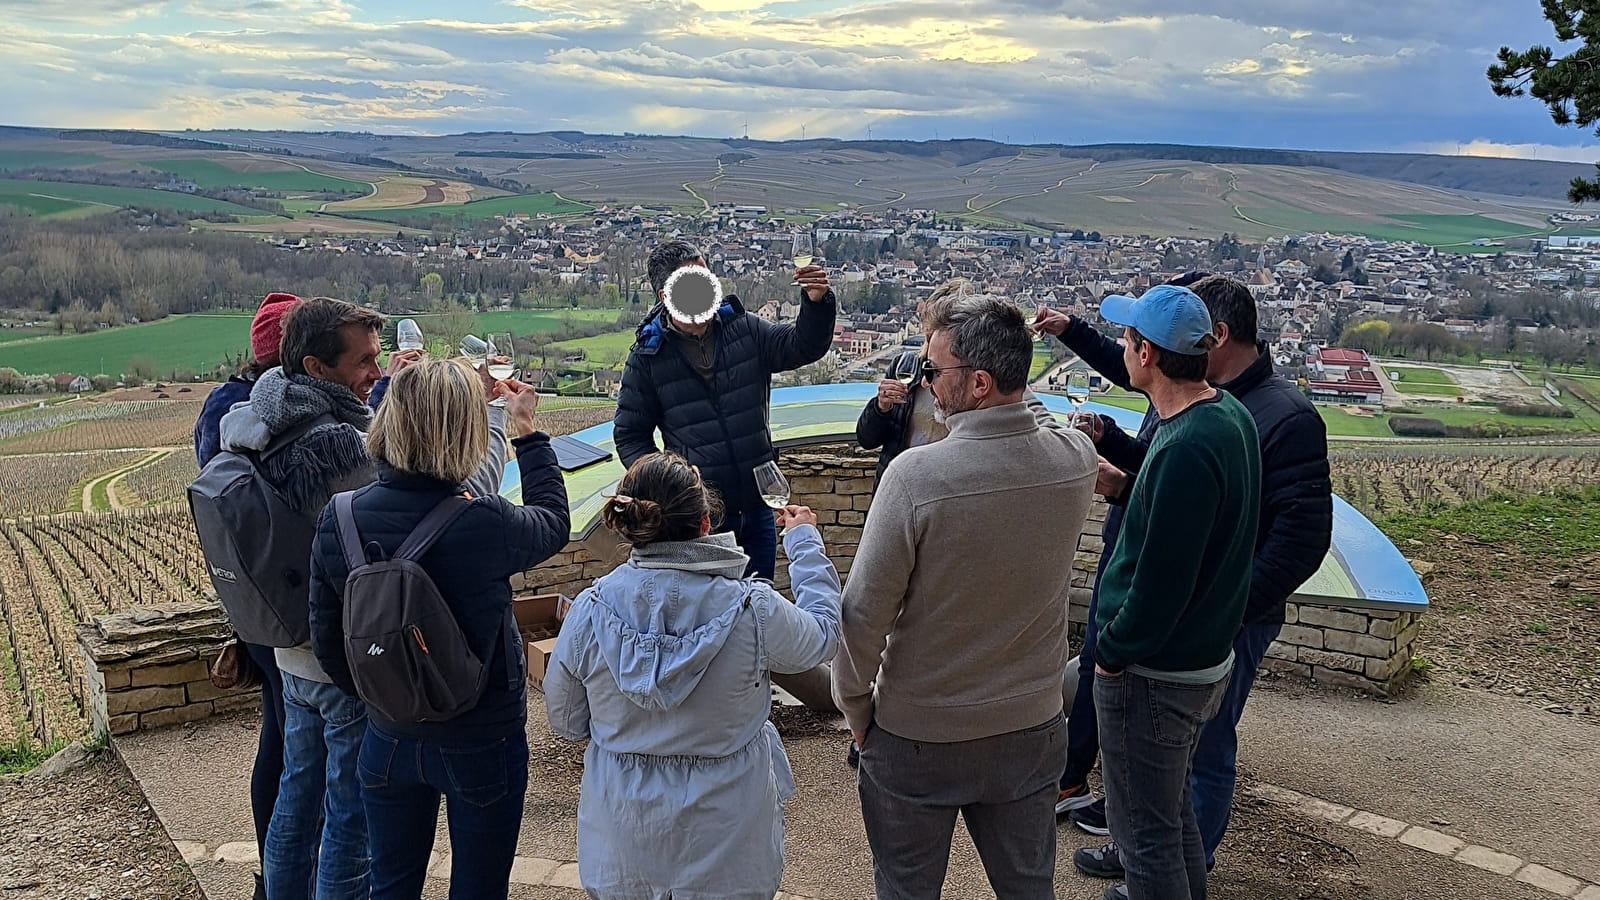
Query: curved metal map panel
(1363, 568)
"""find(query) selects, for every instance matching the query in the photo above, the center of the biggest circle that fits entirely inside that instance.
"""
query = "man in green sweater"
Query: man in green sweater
(1173, 595)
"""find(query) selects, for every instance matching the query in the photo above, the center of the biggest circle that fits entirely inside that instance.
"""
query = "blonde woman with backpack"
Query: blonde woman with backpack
(664, 665)
(429, 435)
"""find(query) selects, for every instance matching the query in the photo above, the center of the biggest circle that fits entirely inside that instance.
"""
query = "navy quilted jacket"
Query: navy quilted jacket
(718, 424)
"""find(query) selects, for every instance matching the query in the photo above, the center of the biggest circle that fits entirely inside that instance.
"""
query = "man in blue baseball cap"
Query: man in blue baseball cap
(1173, 594)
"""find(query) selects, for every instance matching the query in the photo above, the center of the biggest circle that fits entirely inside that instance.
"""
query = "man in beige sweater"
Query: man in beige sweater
(955, 621)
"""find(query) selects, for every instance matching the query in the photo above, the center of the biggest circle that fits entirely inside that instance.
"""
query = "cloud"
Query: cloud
(1584, 153)
(1361, 75)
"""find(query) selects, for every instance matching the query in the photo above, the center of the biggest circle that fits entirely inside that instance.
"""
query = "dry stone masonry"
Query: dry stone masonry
(150, 666)
(147, 667)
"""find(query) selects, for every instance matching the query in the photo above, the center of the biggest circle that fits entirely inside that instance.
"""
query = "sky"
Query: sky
(1404, 75)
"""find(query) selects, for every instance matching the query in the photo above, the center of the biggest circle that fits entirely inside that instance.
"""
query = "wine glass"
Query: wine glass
(1077, 392)
(909, 371)
(499, 357)
(407, 336)
(475, 350)
(805, 250)
(773, 487)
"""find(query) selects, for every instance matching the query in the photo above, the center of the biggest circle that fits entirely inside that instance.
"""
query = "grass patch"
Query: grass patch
(38, 196)
(23, 755)
(1559, 525)
(1436, 390)
(1341, 424)
(200, 342)
(208, 174)
(1439, 231)
(1413, 375)
(606, 351)
(20, 160)
(524, 204)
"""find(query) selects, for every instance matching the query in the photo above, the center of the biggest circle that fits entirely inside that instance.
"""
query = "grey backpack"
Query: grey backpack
(257, 548)
(407, 654)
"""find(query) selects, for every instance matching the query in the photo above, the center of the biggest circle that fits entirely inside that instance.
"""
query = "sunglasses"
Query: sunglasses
(931, 371)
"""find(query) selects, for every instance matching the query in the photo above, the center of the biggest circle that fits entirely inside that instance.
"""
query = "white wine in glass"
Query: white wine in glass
(773, 487)
(502, 364)
(1077, 392)
(909, 371)
(805, 250)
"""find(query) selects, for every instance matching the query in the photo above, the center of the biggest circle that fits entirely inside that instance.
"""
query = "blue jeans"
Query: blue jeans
(757, 534)
(268, 769)
(1148, 733)
(483, 786)
(1216, 759)
(317, 843)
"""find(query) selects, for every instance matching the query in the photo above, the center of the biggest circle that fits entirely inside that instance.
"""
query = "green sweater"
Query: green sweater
(1173, 594)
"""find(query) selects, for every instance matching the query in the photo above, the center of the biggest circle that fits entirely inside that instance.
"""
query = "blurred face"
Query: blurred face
(679, 324)
(357, 367)
(952, 380)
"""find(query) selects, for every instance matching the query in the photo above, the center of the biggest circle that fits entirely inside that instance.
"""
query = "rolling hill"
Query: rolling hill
(1155, 189)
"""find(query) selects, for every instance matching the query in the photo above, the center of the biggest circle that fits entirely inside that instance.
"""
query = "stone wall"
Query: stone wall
(150, 666)
(1366, 649)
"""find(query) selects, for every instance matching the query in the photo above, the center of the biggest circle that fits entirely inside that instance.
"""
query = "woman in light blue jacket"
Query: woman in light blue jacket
(664, 666)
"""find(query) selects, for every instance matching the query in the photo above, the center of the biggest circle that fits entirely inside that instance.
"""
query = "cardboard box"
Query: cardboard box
(539, 661)
(539, 621)
(539, 614)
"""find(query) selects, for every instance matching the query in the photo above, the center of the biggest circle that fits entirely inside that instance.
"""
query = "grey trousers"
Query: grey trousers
(1148, 733)
(1003, 786)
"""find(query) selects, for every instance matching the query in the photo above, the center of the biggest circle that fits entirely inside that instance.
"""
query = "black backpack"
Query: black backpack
(407, 654)
(257, 548)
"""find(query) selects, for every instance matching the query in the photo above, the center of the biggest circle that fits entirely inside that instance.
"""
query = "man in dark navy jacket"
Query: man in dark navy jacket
(1295, 531)
(708, 386)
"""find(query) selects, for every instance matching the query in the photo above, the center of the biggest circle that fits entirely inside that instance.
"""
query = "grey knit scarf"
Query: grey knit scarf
(714, 554)
(328, 454)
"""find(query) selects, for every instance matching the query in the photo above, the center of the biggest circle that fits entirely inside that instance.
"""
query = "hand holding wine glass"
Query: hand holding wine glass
(773, 487)
(1077, 392)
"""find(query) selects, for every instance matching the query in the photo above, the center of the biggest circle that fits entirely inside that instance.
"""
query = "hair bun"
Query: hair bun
(637, 521)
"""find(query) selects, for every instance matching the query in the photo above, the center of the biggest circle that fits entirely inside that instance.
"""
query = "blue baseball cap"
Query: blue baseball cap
(1173, 318)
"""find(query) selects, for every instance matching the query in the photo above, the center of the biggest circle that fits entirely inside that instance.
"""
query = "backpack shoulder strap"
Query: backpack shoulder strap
(431, 526)
(349, 535)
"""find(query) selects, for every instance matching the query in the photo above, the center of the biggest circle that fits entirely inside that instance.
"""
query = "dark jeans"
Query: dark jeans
(1148, 733)
(483, 786)
(1216, 759)
(1004, 788)
(757, 534)
(1083, 730)
(269, 747)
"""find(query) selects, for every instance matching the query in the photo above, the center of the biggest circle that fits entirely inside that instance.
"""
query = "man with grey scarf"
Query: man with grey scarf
(316, 844)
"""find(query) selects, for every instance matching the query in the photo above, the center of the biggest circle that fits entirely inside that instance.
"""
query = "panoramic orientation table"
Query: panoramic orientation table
(1363, 568)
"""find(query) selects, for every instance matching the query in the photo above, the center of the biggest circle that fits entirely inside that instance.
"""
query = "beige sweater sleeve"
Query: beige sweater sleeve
(873, 596)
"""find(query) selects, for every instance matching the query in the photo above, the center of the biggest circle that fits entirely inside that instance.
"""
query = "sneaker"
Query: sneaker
(1075, 797)
(1092, 818)
(1118, 891)
(854, 756)
(1099, 862)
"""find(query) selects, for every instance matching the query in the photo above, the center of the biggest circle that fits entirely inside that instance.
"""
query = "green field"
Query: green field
(200, 342)
(527, 204)
(1342, 424)
(606, 351)
(18, 160)
(1439, 231)
(58, 198)
(1430, 382)
(208, 174)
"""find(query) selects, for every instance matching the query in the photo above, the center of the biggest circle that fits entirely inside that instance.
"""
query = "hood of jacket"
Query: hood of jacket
(652, 331)
(321, 458)
(656, 663)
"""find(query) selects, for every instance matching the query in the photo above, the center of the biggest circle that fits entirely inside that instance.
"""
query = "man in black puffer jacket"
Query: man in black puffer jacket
(708, 388)
(1296, 526)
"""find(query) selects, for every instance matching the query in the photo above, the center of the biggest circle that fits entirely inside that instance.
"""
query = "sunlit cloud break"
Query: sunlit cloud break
(1363, 76)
